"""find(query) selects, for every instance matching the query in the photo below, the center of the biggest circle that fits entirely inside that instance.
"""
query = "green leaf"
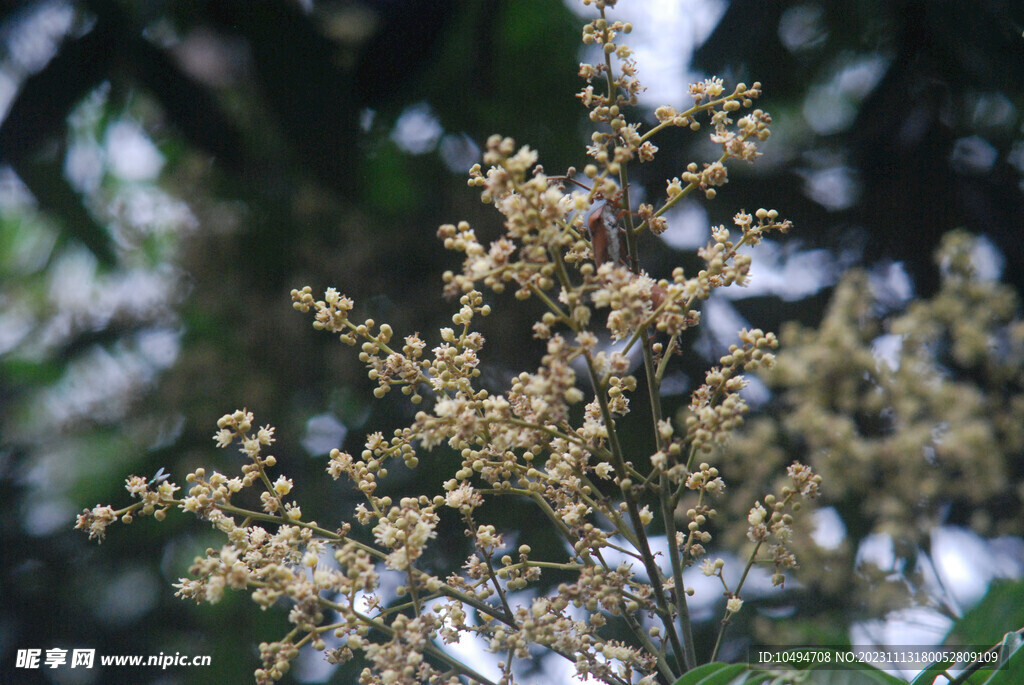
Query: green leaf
(715, 674)
(928, 675)
(1011, 669)
(854, 673)
(1002, 608)
(1011, 645)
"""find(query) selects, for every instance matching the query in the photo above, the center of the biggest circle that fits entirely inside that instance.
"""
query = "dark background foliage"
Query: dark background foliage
(897, 121)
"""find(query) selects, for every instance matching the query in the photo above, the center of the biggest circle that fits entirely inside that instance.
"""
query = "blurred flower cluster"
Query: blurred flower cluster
(914, 415)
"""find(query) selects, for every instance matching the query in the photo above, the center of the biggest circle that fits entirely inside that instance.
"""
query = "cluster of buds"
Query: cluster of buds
(778, 524)
(716, 407)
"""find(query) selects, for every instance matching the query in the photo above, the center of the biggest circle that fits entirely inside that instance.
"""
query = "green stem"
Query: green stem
(739, 587)
(551, 304)
(494, 580)
(663, 666)
(668, 511)
(710, 104)
(618, 464)
(610, 514)
(666, 355)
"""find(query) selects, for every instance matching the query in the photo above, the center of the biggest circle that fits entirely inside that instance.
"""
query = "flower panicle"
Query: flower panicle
(552, 439)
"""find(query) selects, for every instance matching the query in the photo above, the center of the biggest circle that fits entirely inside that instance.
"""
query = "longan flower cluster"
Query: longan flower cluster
(155, 497)
(706, 483)
(331, 312)
(537, 225)
(779, 523)
(716, 407)
(630, 297)
(285, 563)
(725, 265)
(364, 472)
(400, 660)
(740, 143)
(206, 495)
(490, 266)
(405, 530)
(553, 439)
(544, 234)
(236, 426)
(97, 519)
(613, 149)
(276, 658)
(546, 622)
(452, 367)
(768, 523)
(606, 108)
(637, 301)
